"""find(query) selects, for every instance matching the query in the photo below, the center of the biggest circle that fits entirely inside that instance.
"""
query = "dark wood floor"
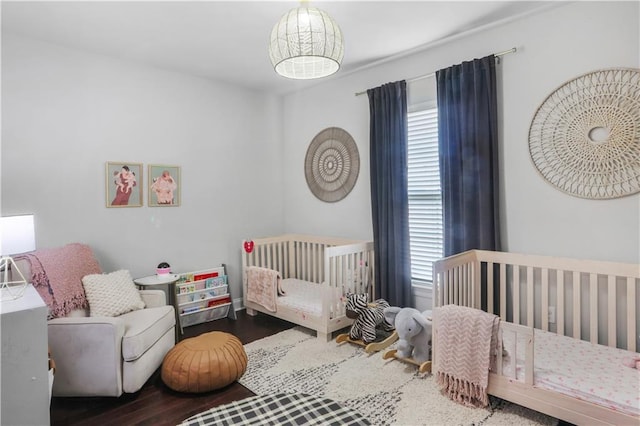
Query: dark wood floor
(156, 404)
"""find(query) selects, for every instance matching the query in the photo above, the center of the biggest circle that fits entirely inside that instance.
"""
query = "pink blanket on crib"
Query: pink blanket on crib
(464, 338)
(263, 287)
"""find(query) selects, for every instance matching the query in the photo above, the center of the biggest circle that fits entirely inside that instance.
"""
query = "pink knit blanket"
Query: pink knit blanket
(463, 342)
(263, 287)
(57, 273)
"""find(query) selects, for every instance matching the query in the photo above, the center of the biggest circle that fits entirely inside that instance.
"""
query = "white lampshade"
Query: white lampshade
(306, 43)
(17, 235)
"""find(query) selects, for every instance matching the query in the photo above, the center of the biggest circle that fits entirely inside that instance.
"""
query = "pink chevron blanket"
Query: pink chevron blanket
(263, 287)
(56, 274)
(464, 341)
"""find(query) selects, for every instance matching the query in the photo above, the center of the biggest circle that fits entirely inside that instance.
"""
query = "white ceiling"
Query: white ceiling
(227, 40)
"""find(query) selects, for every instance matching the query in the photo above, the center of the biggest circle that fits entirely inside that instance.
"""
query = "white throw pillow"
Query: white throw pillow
(113, 294)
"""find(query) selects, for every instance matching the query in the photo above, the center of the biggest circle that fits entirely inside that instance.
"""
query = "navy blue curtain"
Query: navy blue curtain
(468, 143)
(389, 197)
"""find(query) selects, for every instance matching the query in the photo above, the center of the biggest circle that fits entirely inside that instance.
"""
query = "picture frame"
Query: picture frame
(123, 184)
(164, 185)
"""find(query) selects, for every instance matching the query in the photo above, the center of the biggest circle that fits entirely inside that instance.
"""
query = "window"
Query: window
(425, 199)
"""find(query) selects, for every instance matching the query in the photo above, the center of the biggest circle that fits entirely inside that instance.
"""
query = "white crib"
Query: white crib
(316, 273)
(570, 305)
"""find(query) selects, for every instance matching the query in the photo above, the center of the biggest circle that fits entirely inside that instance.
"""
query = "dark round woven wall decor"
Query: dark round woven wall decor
(332, 164)
(585, 137)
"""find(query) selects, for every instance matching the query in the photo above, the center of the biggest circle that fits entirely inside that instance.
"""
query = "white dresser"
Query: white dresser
(24, 389)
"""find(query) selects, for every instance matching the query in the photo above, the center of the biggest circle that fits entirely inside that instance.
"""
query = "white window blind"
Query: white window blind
(425, 200)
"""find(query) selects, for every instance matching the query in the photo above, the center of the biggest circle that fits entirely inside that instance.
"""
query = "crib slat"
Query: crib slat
(461, 281)
(310, 251)
(284, 253)
(339, 268)
(476, 278)
(442, 288)
(305, 255)
(313, 263)
(530, 299)
(445, 288)
(466, 286)
(631, 314)
(560, 301)
(611, 308)
(516, 294)
(438, 292)
(490, 288)
(576, 305)
(467, 289)
(269, 263)
(335, 278)
(351, 266)
(449, 287)
(462, 286)
(503, 292)
(357, 274)
(304, 262)
(593, 308)
(363, 273)
(544, 298)
(320, 265)
(291, 247)
(313, 249)
(454, 288)
(295, 260)
(262, 255)
(465, 297)
(372, 267)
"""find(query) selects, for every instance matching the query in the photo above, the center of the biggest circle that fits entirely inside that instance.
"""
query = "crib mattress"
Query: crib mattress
(593, 373)
(302, 296)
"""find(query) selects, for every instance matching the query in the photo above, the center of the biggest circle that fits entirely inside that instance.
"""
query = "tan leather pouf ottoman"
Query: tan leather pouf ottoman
(204, 363)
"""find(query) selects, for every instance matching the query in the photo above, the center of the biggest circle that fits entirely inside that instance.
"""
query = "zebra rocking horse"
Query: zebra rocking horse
(368, 317)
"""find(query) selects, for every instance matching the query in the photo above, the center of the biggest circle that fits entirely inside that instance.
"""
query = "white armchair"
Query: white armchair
(106, 356)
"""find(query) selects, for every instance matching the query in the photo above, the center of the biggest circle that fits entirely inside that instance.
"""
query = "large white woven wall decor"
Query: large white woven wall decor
(332, 164)
(585, 137)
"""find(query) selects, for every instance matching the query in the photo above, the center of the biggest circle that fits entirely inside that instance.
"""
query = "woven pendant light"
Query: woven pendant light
(306, 43)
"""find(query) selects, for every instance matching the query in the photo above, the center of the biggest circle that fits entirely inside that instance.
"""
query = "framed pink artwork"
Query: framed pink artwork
(123, 184)
(164, 185)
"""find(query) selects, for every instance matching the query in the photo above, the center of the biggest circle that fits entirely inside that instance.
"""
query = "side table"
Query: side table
(168, 283)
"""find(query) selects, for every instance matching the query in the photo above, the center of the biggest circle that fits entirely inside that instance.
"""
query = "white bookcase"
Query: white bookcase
(203, 296)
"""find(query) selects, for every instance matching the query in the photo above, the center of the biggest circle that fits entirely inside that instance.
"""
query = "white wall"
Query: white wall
(306, 114)
(554, 46)
(65, 113)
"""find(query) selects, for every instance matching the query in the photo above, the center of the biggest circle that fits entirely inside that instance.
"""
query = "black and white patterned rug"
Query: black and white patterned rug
(384, 391)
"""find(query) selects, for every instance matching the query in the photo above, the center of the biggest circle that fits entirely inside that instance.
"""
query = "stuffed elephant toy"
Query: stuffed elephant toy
(414, 332)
